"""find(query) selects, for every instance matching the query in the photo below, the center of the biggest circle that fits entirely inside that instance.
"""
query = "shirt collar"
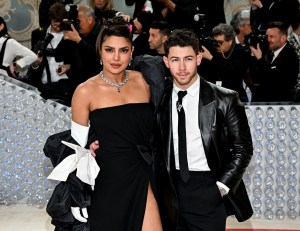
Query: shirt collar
(278, 51)
(192, 90)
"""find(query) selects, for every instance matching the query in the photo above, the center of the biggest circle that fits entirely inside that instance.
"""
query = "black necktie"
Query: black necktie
(183, 163)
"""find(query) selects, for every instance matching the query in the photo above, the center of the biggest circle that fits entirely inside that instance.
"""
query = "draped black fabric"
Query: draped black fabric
(72, 193)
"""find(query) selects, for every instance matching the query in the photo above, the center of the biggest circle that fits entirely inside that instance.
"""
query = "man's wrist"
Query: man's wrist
(78, 39)
(222, 188)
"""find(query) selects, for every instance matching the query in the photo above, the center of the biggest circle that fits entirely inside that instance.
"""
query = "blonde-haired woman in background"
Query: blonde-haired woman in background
(104, 10)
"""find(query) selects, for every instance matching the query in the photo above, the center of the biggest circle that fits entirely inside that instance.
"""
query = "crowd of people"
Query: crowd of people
(163, 114)
(235, 55)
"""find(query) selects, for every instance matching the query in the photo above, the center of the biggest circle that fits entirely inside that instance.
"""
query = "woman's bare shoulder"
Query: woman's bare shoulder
(86, 88)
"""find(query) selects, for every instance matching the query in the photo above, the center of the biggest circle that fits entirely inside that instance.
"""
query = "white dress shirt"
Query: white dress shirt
(195, 151)
(15, 49)
(53, 65)
(276, 53)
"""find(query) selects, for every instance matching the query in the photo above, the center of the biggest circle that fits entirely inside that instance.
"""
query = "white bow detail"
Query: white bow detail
(87, 167)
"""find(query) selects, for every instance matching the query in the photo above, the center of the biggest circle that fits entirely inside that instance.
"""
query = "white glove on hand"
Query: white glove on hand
(76, 213)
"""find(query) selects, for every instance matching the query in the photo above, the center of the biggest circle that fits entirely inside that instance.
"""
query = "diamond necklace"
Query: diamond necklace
(118, 86)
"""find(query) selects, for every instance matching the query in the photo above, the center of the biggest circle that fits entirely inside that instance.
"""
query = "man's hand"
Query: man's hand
(93, 147)
(72, 35)
(76, 213)
(126, 17)
(62, 69)
(256, 51)
(206, 54)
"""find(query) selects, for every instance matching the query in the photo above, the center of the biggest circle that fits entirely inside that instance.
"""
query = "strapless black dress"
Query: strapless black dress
(124, 157)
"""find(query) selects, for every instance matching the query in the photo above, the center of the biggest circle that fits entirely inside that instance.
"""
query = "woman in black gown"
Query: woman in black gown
(116, 103)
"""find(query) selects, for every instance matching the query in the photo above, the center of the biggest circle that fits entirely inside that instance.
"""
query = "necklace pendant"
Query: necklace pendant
(119, 89)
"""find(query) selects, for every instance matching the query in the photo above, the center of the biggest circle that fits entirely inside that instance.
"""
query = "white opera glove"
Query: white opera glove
(76, 213)
(79, 133)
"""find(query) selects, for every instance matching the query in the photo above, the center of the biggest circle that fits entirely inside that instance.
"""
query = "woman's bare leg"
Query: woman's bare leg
(152, 220)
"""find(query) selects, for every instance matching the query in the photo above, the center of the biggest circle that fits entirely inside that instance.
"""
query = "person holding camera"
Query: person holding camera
(265, 11)
(10, 49)
(44, 7)
(51, 72)
(277, 68)
(226, 61)
(104, 10)
(294, 40)
(82, 29)
(242, 28)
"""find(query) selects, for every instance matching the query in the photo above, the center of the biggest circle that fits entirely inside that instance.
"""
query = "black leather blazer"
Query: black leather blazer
(227, 143)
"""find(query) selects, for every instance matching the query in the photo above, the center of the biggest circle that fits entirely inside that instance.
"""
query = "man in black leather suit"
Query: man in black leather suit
(219, 146)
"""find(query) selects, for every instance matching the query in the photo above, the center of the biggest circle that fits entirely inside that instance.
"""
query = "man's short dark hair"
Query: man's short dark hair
(57, 12)
(279, 25)
(182, 38)
(163, 26)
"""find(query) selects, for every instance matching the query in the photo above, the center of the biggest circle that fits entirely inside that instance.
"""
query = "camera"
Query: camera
(256, 37)
(42, 46)
(72, 14)
(204, 36)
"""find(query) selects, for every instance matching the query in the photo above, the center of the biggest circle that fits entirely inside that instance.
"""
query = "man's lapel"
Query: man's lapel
(166, 121)
(207, 112)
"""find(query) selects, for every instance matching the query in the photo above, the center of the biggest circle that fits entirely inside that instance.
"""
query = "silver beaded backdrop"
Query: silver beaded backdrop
(272, 178)
(26, 120)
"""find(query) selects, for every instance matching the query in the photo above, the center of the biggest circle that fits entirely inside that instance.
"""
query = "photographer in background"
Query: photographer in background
(241, 25)
(180, 13)
(51, 72)
(226, 63)
(158, 34)
(10, 49)
(83, 32)
(294, 40)
(278, 68)
(104, 10)
(44, 7)
(242, 28)
(265, 11)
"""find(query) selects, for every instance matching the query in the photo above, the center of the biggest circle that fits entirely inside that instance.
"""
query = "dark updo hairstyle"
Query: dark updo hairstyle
(4, 31)
(116, 26)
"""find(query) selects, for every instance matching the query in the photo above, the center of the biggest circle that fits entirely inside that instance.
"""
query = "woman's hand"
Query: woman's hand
(93, 147)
